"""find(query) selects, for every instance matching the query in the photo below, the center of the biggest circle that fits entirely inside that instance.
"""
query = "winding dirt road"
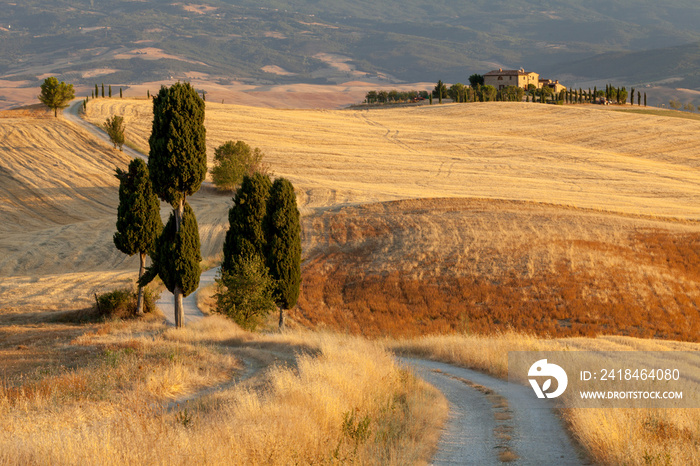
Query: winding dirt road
(491, 421)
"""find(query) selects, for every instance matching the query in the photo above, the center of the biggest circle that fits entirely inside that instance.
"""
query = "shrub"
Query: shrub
(245, 293)
(114, 127)
(121, 303)
(233, 161)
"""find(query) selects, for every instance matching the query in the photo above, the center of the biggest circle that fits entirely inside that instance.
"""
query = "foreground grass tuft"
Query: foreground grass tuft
(150, 393)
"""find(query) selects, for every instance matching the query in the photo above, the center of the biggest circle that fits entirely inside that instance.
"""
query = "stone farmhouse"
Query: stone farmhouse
(501, 78)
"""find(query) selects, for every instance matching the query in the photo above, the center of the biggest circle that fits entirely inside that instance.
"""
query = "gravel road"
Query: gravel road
(72, 114)
(471, 435)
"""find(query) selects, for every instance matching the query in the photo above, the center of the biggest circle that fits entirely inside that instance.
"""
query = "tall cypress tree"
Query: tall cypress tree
(138, 217)
(110, 91)
(178, 164)
(283, 251)
(177, 255)
(245, 285)
(246, 236)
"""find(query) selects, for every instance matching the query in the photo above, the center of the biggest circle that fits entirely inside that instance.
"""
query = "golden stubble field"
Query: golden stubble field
(496, 200)
(583, 157)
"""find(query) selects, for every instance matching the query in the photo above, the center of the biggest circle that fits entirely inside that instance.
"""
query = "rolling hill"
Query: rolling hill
(560, 220)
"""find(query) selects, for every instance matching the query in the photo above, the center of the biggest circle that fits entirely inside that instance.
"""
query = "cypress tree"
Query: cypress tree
(138, 217)
(246, 236)
(645, 99)
(148, 94)
(97, 91)
(121, 96)
(639, 99)
(283, 231)
(177, 255)
(103, 89)
(245, 287)
(178, 164)
(110, 91)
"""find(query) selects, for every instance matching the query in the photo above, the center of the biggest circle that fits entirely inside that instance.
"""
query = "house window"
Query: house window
(500, 78)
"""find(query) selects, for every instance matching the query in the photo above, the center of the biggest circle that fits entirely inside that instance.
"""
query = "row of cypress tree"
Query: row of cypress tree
(264, 220)
(264, 237)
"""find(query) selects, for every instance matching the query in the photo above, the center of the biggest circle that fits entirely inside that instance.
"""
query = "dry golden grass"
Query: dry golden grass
(611, 435)
(338, 399)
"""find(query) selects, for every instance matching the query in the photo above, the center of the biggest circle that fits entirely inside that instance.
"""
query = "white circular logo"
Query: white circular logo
(542, 369)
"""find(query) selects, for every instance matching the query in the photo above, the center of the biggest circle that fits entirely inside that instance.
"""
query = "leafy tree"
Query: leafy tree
(512, 94)
(56, 95)
(371, 97)
(456, 92)
(622, 96)
(383, 96)
(488, 93)
(245, 293)
(476, 80)
(440, 91)
(115, 130)
(138, 217)
(283, 232)
(674, 104)
(234, 160)
(246, 236)
(178, 164)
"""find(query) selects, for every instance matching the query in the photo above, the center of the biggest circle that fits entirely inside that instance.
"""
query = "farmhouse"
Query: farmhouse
(501, 78)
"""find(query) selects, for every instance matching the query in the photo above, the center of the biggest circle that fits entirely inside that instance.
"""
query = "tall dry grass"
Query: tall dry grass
(611, 436)
(342, 400)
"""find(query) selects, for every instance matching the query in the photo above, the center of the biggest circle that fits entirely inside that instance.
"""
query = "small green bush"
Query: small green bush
(233, 161)
(245, 293)
(121, 303)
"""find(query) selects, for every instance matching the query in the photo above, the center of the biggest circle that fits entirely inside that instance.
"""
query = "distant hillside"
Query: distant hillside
(679, 65)
(278, 41)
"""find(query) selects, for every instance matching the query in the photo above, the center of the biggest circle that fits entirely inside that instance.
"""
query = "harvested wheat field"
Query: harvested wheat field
(566, 221)
(58, 206)
(583, 157)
